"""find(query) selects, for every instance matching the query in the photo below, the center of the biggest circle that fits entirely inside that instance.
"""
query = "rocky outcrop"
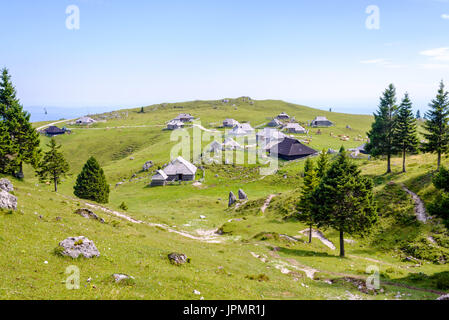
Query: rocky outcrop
(86, 213)
(178, 258)
(443, 297)
(232, 199)
(7, 201)
(147, 165)
(242, 195)
(77, 246)
(6, 185)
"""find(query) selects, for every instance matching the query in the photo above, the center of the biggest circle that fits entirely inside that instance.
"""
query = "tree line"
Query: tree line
(395, 129)
(20, 144)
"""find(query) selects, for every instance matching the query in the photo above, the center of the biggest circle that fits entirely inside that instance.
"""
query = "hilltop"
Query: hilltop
(256, 255)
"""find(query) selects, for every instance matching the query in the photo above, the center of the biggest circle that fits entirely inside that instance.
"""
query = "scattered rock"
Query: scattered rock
(118, 184)
(86, 213)
(6, 185)
(196, 292)
(232, 199)
(7, 200)
(147, 165)
(118, 277)
(76, 246)
(242, 195)
(202, 217)
(178, 258)
(443, 297)
(132, 158)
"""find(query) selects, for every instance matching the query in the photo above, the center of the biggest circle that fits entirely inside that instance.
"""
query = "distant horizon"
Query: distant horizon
(67, 112)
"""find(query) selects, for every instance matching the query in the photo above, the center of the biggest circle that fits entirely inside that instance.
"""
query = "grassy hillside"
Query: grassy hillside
(252, 259)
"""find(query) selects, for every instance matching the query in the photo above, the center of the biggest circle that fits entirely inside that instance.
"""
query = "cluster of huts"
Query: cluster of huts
(52, 131)
(179, 121)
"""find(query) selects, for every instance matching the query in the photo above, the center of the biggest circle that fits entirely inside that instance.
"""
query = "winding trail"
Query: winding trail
(52, 124)
(208, 236)
(267, 203)
(420, 209)
(318, 234)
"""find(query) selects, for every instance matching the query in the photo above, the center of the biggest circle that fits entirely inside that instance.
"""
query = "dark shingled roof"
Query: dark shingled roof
(54, 130)
(292, 149)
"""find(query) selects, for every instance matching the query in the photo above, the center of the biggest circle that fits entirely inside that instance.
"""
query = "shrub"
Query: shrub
(259, 277)
(91, 183)
(441, 179)
(123, 206)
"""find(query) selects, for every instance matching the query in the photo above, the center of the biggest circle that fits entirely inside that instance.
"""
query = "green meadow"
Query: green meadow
(255, 255)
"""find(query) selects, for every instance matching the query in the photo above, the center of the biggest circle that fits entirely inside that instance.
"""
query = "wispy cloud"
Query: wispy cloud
(438, 54)
(381, 62)
(445, 16)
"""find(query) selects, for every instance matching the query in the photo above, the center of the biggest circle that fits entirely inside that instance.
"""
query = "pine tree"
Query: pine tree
(304, 205)
(141, 110)
(418, 115)
(24, 138)
(322, 164)
(344, 200)
(6, 149)
(405, 134)
(91, 183)
(437, 125)
(53, 165)
(382, 131)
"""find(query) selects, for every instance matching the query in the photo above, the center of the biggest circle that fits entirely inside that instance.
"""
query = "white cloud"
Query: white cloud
(445, 16)
(381, 62)
(439, 54)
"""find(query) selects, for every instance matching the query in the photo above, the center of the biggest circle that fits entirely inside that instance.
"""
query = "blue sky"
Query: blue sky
(132, 53)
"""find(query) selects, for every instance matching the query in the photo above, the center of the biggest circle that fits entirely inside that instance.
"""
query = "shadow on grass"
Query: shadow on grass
(305, 253)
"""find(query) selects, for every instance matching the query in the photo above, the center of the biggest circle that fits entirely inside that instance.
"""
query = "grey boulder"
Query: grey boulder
(76, 246)
(177, 258)
(147, 165)
(232, 199)
(242, 195)
(6, 185)
(86, 213)
(7, 200)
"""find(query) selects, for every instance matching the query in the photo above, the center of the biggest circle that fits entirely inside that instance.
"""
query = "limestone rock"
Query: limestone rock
(443, 297)
(118, 277)
(242, 195)
(147, 165)
(86, 213)
(177, 258)
(76, 246)
(6, 185)
(7, 200)
(232, 199)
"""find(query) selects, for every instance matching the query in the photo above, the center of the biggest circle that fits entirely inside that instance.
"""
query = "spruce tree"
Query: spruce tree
(6, 149)
(24, 138)
(418, 115)
(91, 183)
(381, 140)
(437, 125)
(53, 165)
(405, 134)
(344, 200)
(304, 205)
(322, 164)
